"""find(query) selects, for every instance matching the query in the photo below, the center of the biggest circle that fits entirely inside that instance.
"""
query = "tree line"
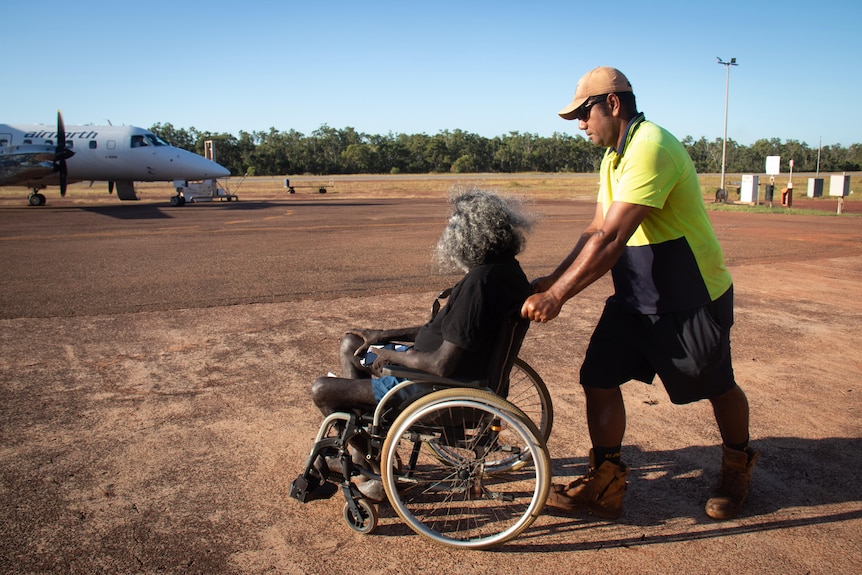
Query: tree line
(328, 151)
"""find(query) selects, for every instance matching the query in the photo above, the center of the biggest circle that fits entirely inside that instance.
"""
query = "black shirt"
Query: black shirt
(479, 306)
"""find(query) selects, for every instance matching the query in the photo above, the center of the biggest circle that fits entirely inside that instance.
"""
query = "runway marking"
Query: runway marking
(188, 230)
(191, 228)
(114, 234)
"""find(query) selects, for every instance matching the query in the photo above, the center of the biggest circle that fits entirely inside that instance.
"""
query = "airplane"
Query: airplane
(39, 155)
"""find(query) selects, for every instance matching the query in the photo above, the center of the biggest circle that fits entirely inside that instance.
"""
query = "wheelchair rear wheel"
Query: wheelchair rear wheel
(528, 392)
(458, 485)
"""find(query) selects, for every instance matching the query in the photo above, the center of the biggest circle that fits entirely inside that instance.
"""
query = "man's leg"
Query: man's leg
(613, 356)
(731, 414)
(606, 416)
(602, 489)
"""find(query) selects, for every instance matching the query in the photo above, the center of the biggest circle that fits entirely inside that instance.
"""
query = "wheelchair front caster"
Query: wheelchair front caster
(366, 521)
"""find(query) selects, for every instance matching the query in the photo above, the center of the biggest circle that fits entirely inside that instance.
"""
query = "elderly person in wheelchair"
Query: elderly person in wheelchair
(483, 236)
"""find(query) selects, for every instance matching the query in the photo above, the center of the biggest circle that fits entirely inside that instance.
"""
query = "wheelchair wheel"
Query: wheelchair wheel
(368, 520)
(527, 391)
(508, 457)
(464, 491)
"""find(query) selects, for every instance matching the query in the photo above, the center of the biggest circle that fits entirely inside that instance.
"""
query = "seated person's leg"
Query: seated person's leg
(350, 366)
(332, 394)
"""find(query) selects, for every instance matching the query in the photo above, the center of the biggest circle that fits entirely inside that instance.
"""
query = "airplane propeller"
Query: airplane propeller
(61, 153)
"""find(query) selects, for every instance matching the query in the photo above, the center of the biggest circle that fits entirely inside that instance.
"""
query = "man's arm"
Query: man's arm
(598, 249)
(544, 283)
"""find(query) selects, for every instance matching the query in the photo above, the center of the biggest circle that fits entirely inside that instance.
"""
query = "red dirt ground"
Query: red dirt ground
(156, 365)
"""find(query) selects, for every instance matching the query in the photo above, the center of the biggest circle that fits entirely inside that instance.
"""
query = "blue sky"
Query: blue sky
(489, 68)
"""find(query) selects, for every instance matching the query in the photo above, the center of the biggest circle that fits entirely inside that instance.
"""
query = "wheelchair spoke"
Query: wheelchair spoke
(528, 392)
(461, 489)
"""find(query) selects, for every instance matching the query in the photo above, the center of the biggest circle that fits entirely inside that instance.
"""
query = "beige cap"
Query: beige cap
(596, 82)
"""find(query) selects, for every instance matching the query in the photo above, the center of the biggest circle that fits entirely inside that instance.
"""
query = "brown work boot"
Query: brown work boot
(600, 491)
(733, 481)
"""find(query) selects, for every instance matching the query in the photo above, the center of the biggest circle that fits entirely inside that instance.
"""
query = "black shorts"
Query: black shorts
(689, 350)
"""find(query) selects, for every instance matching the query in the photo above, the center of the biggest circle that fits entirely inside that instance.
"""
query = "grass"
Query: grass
(531, 186)
(775, 209)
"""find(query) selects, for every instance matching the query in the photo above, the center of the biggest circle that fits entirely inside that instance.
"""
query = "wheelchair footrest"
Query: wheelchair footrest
(307, 489)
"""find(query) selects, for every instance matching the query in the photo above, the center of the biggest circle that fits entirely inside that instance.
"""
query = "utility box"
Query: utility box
(839, 186)
(815, 187)
(750, 187)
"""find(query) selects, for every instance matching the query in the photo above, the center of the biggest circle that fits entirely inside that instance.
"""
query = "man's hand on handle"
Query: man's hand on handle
(542, 306)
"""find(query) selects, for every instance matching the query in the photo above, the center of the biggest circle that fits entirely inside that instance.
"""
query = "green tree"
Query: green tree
(358, 158)
(437, 154)
(332, 151)
(179, 137)
(466, 164)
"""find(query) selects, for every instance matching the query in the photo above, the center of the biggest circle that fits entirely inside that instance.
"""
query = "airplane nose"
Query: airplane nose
(212, 169)
(200, 168)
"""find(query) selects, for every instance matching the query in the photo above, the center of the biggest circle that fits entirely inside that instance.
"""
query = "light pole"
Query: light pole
(722, 192)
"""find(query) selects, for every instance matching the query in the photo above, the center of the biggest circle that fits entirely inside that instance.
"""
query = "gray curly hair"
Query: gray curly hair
(483, 228)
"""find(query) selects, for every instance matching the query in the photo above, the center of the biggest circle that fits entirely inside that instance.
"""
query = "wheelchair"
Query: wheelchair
(463, 463)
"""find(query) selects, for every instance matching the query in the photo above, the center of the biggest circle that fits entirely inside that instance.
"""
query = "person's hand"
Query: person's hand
(368, 338)
(541, 307)
(384, 357)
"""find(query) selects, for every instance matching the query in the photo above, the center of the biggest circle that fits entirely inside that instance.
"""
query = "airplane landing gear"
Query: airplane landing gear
(178, 200)
(37, 199)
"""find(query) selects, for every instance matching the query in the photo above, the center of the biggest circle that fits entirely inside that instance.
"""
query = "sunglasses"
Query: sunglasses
(583, 113)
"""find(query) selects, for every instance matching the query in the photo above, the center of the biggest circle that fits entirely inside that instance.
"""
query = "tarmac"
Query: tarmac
(156, 364)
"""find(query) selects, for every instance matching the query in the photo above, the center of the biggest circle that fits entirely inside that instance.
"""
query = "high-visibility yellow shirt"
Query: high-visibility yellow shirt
(673, 261)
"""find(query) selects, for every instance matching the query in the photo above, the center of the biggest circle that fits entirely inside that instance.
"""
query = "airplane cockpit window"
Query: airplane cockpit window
(148, 139)
(154, 140)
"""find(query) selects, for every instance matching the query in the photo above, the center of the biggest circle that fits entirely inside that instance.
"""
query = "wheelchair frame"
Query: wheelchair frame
(460, 465)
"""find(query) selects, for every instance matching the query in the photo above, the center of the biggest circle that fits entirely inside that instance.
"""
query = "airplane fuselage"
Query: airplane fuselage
(102, 153)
